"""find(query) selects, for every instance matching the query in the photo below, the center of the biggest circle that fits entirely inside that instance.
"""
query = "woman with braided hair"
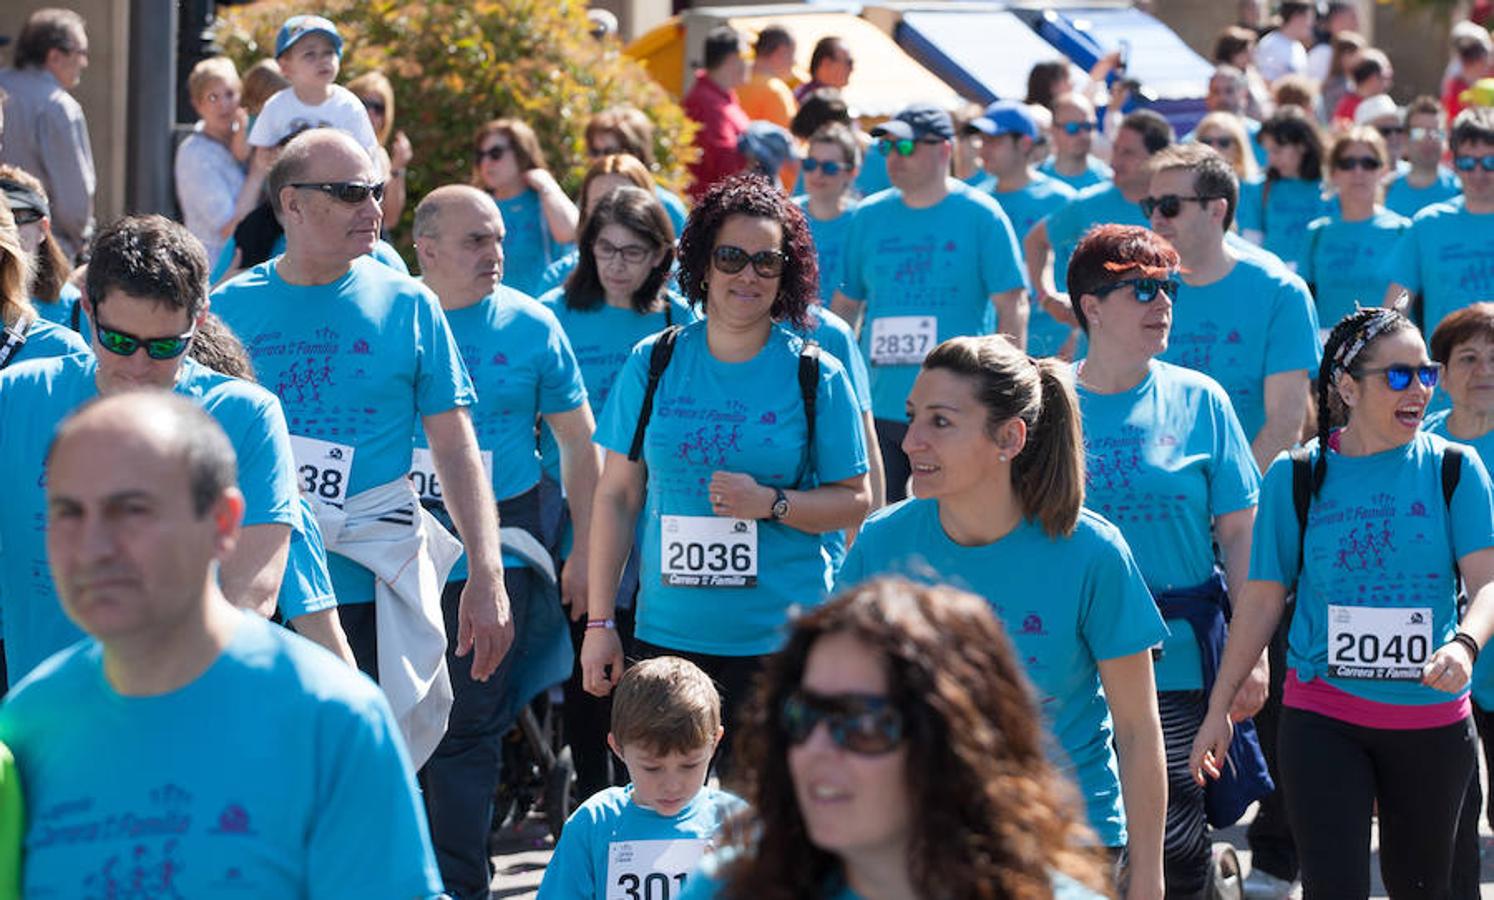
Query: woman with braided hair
(1372, 522)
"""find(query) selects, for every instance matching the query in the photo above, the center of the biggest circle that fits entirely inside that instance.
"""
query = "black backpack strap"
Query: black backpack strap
(75, 319)
(658, 361)
(809, 389)
(1452, 472)
(1301, 494)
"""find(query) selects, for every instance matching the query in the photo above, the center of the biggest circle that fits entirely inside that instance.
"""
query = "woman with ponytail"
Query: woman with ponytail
(998, 484)
(1375, 703)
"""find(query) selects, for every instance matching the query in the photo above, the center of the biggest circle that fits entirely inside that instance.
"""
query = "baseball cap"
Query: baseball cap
(297, 27)
(1005, 117)
(917, 121)
(768, 143)
(1376, 107)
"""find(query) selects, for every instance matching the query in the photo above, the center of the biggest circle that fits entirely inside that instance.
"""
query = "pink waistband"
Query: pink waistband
(1323, 698)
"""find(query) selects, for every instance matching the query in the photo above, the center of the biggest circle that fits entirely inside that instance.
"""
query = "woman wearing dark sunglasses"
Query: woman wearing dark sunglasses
(23, 334)
(1376, 706)
(829, 166)
(539, 220)
(998, 475)
(893, 750)
(738, 497)
(377, 96)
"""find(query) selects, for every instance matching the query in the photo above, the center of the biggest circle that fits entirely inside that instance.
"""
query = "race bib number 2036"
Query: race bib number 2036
(708, 551)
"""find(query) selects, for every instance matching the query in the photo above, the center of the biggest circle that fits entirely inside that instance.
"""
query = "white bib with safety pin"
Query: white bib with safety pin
(651, 870)
(423, 474)
(903, 340)
(323, 468)
(1378, 644)
(708, 551)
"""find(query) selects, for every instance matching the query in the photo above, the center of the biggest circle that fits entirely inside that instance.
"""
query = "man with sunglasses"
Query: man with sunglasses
(147, 288)
(1074, 127)
(1427, 180)
(923, 262)
(1445, 255)
(359, 354)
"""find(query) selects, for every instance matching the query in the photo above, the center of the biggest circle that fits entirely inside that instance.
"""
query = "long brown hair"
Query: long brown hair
(1048, 475)
(990, 815)
(15, 271)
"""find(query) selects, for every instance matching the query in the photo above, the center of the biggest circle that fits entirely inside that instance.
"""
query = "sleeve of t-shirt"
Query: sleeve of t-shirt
(1472, 507)
(561, 388)
(1292, 335)
(1307, 261)
(1000, 256)
(1403, 265)
(853, 568)
(569, 874)
(1234, 481)
(1248, 214)
(267, 469)
(442, 382)
(860, 377)
(1120, 617)
(850, 278)
(365, 777)
(353, 118)
(620, 415)
(307, 584)
(269, 125)
(840, 439)
(1273, 542)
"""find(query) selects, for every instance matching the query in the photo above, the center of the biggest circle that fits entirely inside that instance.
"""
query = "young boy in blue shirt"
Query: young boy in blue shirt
(646, 838)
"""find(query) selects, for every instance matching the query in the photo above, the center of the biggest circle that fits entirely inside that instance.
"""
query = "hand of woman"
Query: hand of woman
(1211, 746)
(601, 661)
(738, 496)
(400, 152)
(1449, 668)
(540, 181)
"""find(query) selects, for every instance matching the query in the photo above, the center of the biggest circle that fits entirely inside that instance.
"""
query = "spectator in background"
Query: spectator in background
(1380, 113)
(1299, 91)
(627, 129)
(1346, 49)
(1284, 51)
(1235, 46)
(830, 66)
(45, 131)
(208, 175)
(1047, 81)
(1473, 62)
(712, 102)
(766, 95)
(1339, 18)
(539, 219)
(1427, 181)
(261, 82)
(768, 150)
(1226, 133)
(377, 95)
(1371, 75)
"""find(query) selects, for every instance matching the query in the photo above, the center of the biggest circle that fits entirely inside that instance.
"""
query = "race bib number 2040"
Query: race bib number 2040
(1378, 644)
(651, 870)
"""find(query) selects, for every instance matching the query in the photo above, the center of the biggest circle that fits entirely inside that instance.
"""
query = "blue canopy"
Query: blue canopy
(984, 55)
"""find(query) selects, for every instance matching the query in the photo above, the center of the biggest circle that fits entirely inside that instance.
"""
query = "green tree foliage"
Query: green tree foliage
(456, 65)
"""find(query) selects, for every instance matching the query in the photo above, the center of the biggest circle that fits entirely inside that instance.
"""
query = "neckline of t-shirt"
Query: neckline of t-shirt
(274, 273)
(242, 639)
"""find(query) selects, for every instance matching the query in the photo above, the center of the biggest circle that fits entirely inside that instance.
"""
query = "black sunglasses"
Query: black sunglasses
(125, 344)
(1390, 130)
(1350, 163)
(1145, 289)
(863, 724)
(27, 216)
(1223, 142)
(1469, 163)
(731, 260)
(346, 191)
(593, 152)
(830, 166)
(1398, 377)
(495, 152)
(1169, 205)
(373, 104)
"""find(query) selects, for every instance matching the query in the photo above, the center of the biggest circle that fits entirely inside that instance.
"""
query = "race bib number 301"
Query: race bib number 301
(651, 870)
(322, 468)
(708, 551)
(903, 340)
(1378, 644)
(423, 474)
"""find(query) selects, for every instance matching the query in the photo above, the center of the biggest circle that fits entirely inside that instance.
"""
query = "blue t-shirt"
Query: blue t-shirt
(1026, 207)
(34, 398)
(260, 778)
(1406, 200)
(674, 207)
(1093, 206)
(1163, 460)
(611, 835)
(871, 179)
(383, 251)
(1445, 258)
(557, 272)
(307, 584)
(355, 363)
(909, 266)
(59, 311)
(46, 339)
(743, 417)
(1291, 204)
(1345, 262)
(829, 245)
(528, 246)
(1095, 172)
(1378, 535)
(1067, 603)
(522, 367)
(1254, 322)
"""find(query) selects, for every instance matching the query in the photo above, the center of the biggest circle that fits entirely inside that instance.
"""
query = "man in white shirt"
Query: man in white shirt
(1284, 51)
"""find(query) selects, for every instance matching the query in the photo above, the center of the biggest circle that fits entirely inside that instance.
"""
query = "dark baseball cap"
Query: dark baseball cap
(917, 121)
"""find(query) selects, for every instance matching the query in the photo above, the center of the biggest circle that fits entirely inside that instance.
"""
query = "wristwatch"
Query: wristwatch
(780, 506)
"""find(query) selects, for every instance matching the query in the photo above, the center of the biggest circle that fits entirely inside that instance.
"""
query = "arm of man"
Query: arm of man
(1129, 691)
(1012, 314)
(579, 472)
(485, 627)
(1286, 409)
(250, 578)
(614, 518)
(325, 628)
(848, 309)
(1037, 250)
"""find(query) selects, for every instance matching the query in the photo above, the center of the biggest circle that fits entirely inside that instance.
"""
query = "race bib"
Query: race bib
(651, 870)
(903, 340)
(423, 474)
(323, 468)
(1378, 644)
(708, 551)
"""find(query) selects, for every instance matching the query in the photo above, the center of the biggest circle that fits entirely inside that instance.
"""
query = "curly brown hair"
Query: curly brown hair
(752, 195)
(991, 817)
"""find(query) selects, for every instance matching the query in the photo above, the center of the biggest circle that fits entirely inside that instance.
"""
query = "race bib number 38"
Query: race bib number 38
(322, 468)
(708, 551)
(1378, 644)
(903, 340)
(651, 870)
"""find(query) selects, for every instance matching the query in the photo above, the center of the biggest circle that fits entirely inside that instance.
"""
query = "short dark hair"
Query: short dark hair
(46, 30)
(820, 107)
(666, 705)
(1156, 132)
(1470, 49)
(1107, 253)
(1291, 9)
(1474, 125)
(772, 38)
(752, 195)
(826, 48)
(1231, 42)
(640, 212)
(150, 257)
(1290, 125)
(720, 43)
(1371, 63)
(1213, 176)
(1476, 321)
(1042, 78)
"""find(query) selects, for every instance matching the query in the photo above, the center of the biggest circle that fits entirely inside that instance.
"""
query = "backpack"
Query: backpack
(658, 361)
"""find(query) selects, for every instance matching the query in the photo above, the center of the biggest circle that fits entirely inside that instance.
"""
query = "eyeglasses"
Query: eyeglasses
(1398, 377)
(1145, 289)
(830, 167)
(1223, 142)
(1350, 163)
(1427, 134)
(1169, 205)
(904, 147)
(1077, 127)
(125, 344)
(593, 152)
(606, 251)
(373, 104)
(494, 153)
(353, 192)
(863, 724)
(1390, 130)
(27, 216)
(1469, 163)
(731, 260)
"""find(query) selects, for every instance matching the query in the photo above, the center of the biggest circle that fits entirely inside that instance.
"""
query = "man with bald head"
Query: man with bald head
(1074, 126)
(523, 367)
(359, 355)
(250, 761)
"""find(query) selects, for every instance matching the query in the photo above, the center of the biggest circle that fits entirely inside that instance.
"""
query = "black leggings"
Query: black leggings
(895, 463)
(1185, 844)
(1333, 774)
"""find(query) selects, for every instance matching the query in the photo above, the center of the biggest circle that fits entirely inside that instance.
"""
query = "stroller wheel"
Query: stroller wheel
(560, 782)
